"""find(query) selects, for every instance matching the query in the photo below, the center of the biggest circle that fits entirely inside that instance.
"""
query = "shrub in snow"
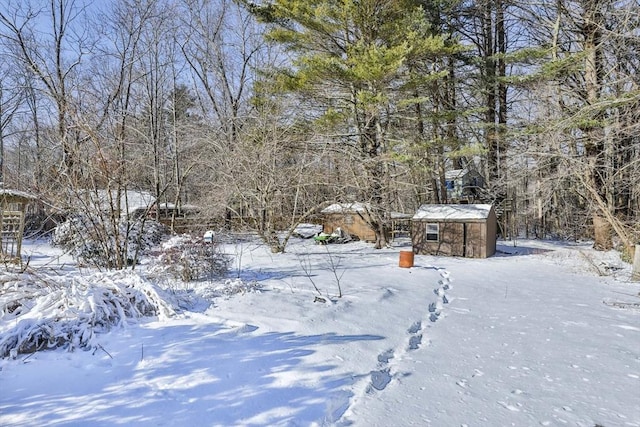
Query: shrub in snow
(188, 259)
(98, 242)
(38, 313)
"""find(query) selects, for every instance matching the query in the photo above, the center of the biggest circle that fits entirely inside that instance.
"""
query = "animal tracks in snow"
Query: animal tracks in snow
(389, 363)
(436, 307)
(382, 376)
(415, 337)
(415, 327)
(380, 379)
(415, 341)
(385, 356)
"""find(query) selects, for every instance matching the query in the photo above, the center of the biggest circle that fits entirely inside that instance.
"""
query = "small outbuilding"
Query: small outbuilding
(350, 217)
(465, 230)
(12, 212)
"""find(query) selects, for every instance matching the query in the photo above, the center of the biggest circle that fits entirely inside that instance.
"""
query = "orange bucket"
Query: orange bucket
(406, 259)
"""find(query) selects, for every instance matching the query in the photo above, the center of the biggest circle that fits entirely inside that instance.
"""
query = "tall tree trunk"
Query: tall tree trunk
(595, 142)
(501, 73)
(371, 139)
(489, 77)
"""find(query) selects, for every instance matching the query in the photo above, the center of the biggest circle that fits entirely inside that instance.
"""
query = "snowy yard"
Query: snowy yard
(523, 338)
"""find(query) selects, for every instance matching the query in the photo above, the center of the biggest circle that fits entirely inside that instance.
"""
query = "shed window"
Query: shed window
(433, 232)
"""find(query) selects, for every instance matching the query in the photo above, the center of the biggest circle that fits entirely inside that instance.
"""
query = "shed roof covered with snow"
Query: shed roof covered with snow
(353, 207)
(10, 196)
(452, 213)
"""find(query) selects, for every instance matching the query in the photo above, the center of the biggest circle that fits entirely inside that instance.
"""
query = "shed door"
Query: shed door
(473, 240)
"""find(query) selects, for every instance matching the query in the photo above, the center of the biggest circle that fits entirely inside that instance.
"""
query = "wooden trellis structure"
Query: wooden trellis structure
(12, 210)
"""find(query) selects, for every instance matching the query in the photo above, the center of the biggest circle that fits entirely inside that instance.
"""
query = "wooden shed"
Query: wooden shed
(465, 230)
(350, 217)
(12, 210)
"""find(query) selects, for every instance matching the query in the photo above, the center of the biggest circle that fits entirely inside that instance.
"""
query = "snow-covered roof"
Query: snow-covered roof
(453, 212)
(400, 215)
(130, 202)
(6, 192)
(357, 207)
(453, 174)
(347, 208)
(138, 200)
(184, 206)
(458, 173)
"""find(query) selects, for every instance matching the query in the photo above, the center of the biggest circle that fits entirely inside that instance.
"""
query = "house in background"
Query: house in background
(463, 230)
(463, 185)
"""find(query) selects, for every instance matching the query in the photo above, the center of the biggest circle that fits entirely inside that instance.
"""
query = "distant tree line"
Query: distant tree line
(265, 111)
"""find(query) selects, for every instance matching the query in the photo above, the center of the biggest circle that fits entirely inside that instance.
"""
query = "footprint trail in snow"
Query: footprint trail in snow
(384, 373)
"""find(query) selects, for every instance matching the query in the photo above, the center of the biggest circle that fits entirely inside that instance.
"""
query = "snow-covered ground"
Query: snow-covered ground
(523, 338)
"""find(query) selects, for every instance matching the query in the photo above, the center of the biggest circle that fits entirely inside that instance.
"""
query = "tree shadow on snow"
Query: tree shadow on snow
(198, 375)
(265, 274)
(510, 250)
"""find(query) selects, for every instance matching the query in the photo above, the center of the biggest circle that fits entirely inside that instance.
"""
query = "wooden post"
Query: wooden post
(635, 270)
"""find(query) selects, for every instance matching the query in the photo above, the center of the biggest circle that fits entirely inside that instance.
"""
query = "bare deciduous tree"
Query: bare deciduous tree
(54, 58)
